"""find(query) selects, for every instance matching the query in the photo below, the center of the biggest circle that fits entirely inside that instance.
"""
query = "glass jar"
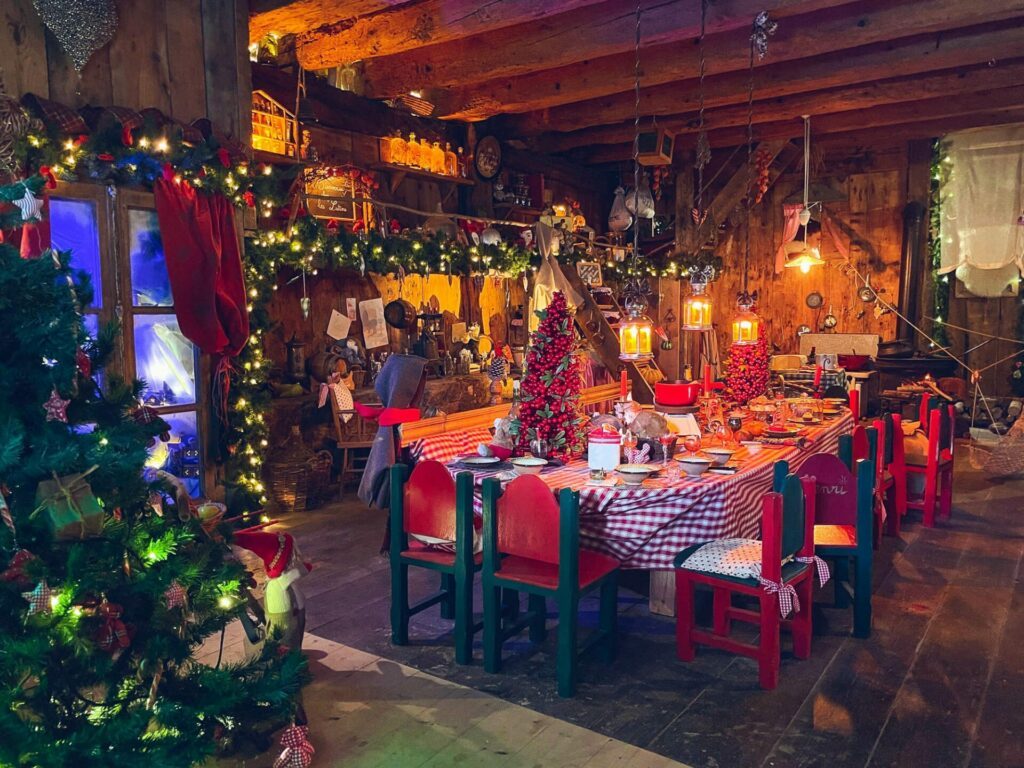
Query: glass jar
(437, 158)
(425, 156)
(399, 150)
(412, 152)
(451, 161)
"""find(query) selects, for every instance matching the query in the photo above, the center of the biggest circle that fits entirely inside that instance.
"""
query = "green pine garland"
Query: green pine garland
(940, 283)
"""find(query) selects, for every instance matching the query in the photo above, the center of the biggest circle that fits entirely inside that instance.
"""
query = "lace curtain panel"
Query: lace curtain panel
(981, 202)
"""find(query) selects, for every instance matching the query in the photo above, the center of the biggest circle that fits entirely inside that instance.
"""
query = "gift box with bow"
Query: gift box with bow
(69, 507)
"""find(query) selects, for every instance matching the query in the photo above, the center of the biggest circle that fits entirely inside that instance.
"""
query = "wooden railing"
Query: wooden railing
(597, 399)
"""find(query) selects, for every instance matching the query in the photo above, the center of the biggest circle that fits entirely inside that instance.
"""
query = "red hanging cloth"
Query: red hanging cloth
(204, 267)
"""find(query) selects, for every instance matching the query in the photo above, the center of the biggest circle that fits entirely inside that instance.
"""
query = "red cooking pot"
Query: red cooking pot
(677, 392)
(853, 362)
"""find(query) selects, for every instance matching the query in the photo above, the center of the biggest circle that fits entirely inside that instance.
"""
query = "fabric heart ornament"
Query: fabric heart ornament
(81, 27)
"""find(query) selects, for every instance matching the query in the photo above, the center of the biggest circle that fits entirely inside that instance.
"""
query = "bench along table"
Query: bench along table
(646, 526)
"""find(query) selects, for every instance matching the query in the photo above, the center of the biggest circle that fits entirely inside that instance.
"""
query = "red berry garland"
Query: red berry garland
(746, 372)
(550, 391)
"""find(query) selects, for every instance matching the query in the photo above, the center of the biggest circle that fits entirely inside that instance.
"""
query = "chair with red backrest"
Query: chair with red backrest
(429, 503)
(854, 397)
(844, 528)
(862, 444)
(891, 470)
(784, 560)
(937, 421)
(531, 544)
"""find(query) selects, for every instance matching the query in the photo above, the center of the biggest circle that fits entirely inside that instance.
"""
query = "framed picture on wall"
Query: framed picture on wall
(590, 273)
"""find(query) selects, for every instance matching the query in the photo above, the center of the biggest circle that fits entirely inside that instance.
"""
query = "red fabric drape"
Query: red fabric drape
(204, 267)
(832, 230)
(790, 226)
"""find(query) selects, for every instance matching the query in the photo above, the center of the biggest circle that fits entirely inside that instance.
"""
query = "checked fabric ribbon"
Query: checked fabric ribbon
(298, 752)
(819, 565)
(788, 600)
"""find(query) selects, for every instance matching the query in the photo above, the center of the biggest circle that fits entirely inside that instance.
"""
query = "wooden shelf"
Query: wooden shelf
(513, 209)
(397, 173)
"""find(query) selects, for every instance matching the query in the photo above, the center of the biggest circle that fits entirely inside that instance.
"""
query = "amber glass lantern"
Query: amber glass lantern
(697, 308)
(746, 325)
(635, 331)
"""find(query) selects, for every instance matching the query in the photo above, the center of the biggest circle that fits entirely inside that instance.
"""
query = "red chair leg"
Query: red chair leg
(900, 487)
(928, 513)
(721, 611)
(684, 617)
(802, 621)
(892, 511)
(946, 494)
(768, 659)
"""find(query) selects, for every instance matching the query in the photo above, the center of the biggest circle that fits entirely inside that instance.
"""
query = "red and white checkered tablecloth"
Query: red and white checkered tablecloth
(646, 527)
(449, 446)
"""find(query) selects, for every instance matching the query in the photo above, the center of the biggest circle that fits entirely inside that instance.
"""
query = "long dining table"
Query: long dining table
(645, 526)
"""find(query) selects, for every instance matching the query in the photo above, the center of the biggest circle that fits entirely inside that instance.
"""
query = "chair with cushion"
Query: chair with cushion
(778, 571)
(428, 503)
(934, 460)
(531, 544)
(844, 527)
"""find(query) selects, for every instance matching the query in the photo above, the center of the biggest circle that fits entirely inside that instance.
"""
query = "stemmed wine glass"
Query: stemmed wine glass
(692, 444)
(735, 423)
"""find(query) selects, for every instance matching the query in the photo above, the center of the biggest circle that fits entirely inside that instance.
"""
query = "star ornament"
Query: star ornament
(40, 599)
(30, 206)
(56, 408)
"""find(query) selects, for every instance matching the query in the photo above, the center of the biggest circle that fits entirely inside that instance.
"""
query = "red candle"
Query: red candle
(623, 385)
(707, 380)
(817, 376)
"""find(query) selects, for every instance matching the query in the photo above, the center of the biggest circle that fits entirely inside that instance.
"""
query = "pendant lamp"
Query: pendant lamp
(636, 331)
(697, 305)
(800, 255)
(746, 325)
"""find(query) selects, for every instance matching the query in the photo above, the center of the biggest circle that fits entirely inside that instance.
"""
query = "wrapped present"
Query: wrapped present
(70, 508)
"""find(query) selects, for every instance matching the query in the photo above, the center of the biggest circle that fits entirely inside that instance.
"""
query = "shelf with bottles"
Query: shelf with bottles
(422, 158)
(397, 173)
(274, 128)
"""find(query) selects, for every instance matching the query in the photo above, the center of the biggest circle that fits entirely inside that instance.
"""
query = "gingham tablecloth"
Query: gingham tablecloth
(646, 527)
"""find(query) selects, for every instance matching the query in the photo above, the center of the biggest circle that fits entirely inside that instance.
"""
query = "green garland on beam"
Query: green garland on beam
(940, 173)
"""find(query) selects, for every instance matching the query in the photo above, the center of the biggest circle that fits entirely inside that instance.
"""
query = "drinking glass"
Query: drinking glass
(692, 444)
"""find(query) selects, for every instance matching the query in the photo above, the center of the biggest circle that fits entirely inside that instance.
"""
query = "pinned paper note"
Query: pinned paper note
(375, 332)
(350, 309)
(338, 326)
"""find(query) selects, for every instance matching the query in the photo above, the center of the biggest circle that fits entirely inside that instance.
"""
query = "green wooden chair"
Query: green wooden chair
(531, 544)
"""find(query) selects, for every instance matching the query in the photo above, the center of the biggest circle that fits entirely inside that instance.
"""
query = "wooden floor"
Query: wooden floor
(939, 683)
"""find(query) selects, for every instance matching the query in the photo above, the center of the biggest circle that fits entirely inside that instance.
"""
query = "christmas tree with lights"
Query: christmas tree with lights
(107, 585)
(550, 392)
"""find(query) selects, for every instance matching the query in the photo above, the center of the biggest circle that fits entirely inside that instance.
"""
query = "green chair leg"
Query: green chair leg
(538, 625)
(842, 578)
(609, 616)
(510, 605)
(448, 603)
(399, 603)
(862, 598)
(568, 617)
(492, 628)
(463, 618)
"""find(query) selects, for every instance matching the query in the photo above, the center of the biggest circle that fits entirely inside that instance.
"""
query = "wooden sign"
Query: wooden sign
(836, 489)
(335, 189)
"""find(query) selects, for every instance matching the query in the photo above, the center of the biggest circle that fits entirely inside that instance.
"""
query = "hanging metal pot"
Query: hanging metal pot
(866, 293)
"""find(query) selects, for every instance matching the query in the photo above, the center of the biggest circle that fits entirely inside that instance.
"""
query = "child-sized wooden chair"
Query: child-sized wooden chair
(844, 528)
(936, 465)
(784, 563)
(891, 470)
(863, 444)
(428, 502)
(531, 544)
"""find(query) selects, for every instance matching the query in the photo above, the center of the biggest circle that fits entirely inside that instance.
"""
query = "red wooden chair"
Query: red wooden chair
(854, 397)
(891, 470)
(787, 540)
(937, 463)
(844, 524)
(863, 444)
(531, 544)
(430, 503)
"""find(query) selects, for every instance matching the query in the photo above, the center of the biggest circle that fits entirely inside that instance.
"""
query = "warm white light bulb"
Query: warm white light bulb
(805, 267)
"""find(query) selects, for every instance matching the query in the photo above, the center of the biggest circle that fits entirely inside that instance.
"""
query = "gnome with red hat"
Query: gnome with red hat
(283, 602)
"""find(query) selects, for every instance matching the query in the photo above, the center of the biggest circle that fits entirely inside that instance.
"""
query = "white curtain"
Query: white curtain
(549, 277)
(981, 202)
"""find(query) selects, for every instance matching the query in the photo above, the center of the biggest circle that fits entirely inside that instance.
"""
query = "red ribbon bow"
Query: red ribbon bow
(46, 173)
(788, 600)
(820, 566)
(113, 633)
(298, 752)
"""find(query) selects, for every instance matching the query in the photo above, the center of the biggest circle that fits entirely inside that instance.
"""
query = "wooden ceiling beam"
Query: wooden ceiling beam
(416, 25)
(910, 56)
(932, 111)
(545, 40)
(1000, 74)
(292, 18)
(845, 27)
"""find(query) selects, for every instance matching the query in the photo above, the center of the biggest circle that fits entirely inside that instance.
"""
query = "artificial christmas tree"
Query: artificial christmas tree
(746, 370)
(102, 599)
(550, 391)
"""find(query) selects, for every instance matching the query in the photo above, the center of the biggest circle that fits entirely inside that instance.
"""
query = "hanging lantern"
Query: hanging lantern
(635, 331)
(746, 325)
(697, 308)
(799, 256)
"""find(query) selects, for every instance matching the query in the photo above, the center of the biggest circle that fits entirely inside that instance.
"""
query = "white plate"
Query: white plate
(483, 461)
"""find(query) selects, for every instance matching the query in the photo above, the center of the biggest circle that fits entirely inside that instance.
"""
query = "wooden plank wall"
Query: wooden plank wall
(187, 58)
(873, 183)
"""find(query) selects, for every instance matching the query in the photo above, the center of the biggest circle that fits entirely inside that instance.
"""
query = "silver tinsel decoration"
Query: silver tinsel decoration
(764, 27)
(81, 27)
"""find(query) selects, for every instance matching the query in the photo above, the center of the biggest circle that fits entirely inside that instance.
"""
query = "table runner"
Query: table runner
(646, 527)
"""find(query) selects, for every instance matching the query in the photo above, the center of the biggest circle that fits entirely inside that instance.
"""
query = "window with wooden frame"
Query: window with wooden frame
(115, 237)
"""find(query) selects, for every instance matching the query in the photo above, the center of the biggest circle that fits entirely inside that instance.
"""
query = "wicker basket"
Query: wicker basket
(295, 474)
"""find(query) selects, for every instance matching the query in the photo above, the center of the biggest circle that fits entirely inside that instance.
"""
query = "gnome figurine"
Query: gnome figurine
(283, 602)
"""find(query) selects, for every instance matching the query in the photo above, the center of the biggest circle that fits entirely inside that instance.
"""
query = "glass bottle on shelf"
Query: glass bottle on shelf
(437, 158)
(412, 152)
(451, 161)
(399, 149)
(385, 150)
(463, 166)
(425, 156)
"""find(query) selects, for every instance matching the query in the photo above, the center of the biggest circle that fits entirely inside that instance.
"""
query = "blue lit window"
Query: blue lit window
(74, 227)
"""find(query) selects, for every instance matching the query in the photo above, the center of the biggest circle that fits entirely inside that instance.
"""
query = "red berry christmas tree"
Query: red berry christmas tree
(746, 373)
(549, 408)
